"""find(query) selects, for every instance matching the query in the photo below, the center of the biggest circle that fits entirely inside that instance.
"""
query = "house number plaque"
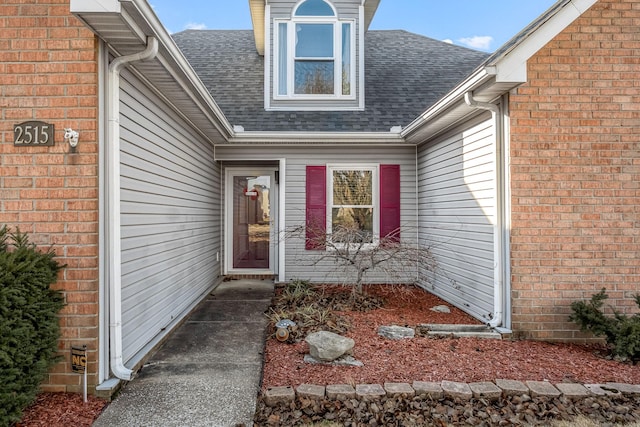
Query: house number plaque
(33, 133)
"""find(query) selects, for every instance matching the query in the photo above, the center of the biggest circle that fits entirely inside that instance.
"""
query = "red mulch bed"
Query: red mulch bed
(418, 359)
(436, 359)
(62, 409)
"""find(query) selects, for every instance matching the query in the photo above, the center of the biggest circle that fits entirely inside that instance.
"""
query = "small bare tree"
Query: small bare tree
(356, 252)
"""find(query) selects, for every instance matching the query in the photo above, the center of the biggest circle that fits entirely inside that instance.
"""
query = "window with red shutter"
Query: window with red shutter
(390, 202)
(316, 209)
(365, 197)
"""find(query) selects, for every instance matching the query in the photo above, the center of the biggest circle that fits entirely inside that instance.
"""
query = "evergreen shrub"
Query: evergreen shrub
(621, 332)
(29, 328)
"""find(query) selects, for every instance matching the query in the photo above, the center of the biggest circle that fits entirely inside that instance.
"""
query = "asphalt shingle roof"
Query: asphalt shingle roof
(405, 73)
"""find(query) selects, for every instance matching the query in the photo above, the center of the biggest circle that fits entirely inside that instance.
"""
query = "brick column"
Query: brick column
(575, 167)
(48, 72)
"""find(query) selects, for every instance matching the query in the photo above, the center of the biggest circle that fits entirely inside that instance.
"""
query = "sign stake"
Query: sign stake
(79, 365)
(84, 386)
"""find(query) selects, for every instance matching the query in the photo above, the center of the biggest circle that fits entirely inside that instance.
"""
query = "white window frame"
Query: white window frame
(337, 58)
(375, 197)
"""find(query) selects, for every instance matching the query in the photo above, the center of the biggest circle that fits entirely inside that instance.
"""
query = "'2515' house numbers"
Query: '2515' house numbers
(33, 133)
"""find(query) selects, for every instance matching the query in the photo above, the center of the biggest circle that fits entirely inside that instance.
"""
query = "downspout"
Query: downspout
(417, 207)
(498, 282)
(113, 177)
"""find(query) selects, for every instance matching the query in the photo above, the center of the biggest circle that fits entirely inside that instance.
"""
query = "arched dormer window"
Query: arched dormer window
(315, 53)
(314, 8)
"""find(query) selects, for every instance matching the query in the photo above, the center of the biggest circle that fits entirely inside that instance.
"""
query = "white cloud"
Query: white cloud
(195, 26)
(477, 42)
(448, 41)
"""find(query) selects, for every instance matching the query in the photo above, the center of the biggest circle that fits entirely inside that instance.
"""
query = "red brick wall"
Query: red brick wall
(48, 72)
(575, 169)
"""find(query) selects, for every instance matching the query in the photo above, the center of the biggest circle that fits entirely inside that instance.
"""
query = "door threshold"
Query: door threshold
(258, 276)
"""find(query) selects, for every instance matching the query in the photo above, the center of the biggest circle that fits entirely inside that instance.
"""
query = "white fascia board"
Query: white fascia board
(512, 67)
(320, 138)
(90, 6)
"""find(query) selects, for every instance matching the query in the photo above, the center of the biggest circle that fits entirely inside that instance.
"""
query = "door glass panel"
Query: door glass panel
(251, 221)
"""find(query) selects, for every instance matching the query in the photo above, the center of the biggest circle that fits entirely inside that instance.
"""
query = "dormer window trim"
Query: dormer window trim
(341, 54)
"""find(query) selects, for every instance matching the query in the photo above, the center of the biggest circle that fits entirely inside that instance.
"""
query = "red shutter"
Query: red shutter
(390, 202)
(316, 215)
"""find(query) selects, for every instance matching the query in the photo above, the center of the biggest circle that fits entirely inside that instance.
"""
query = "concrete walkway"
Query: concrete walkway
(208, 372)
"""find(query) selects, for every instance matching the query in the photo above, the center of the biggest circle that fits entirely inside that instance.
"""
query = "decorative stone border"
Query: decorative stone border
(464, 391)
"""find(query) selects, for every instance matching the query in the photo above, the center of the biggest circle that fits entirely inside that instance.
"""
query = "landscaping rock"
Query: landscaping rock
(601, 390)
(311, 391)
(456, 389)
(343, 407)
(624, 388)
(340, 391)
(327, 346)
(395, 332)
(399, 389)
(542, 388)
(512, 387)
(430, 389)
(441, 309)
(276, 395)
(485, 390)
(341, 361)
(573, 391)
(370, 391)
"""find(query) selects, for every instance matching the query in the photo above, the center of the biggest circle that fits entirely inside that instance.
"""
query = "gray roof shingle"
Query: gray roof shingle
(405, 73)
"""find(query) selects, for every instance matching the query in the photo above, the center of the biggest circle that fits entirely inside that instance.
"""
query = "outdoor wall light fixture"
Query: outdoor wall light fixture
(71, 136)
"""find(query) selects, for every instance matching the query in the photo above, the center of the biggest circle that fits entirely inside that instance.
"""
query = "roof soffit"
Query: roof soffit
(257, 9)
(370, 7)
(125, 29)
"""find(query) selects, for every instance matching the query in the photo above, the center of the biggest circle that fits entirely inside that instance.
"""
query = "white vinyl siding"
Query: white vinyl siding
(170, 215)
(457, 205)
(300, 262)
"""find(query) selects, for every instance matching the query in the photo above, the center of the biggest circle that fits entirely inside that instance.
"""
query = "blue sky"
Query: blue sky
(480, 24)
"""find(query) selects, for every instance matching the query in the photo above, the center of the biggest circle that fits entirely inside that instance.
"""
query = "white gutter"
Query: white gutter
(113, 179)
(498, 282)
(324, 138)
(468, 99)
